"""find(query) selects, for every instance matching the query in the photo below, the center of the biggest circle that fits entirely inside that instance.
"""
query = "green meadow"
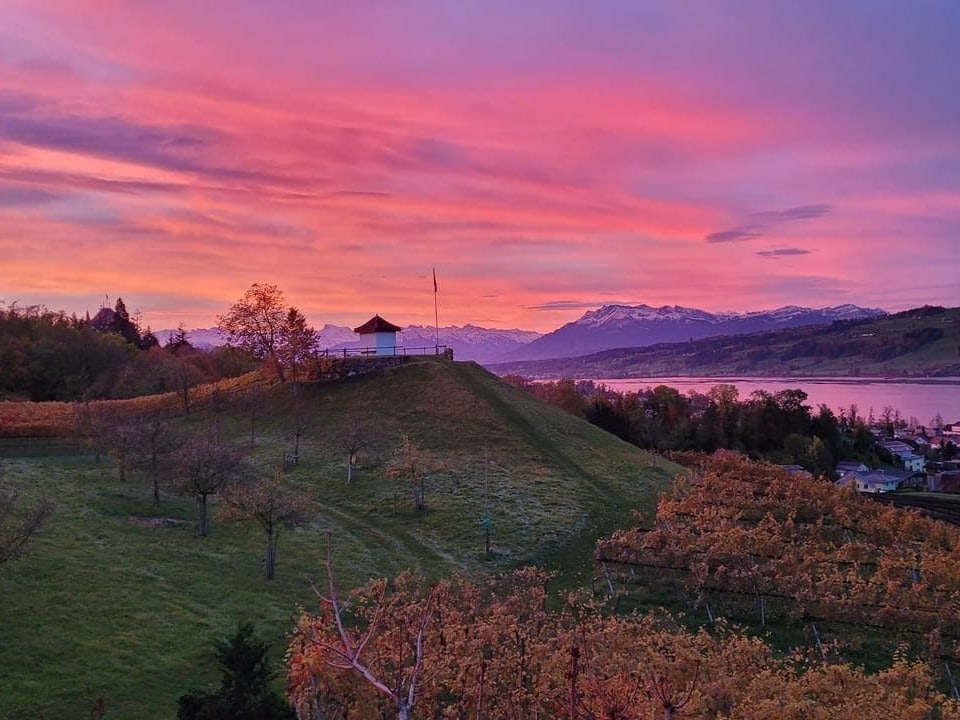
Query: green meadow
(120, 600)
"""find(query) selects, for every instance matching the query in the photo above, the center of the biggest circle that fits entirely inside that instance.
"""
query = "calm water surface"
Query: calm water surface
(921, 399)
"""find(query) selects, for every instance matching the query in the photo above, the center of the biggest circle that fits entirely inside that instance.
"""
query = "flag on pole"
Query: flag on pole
(436, 315)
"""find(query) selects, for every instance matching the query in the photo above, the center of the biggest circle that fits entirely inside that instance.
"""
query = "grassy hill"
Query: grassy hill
(119, 599)
(924, 342)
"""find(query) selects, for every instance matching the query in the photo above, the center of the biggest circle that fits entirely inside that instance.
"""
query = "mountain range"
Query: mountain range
(469, 342)
(620, 326)
(919, 343)
(611, 326)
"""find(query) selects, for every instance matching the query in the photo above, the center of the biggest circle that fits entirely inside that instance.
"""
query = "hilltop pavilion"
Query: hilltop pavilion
(378, 337)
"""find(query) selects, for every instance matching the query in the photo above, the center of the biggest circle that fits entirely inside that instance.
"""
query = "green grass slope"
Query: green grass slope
(120, 600)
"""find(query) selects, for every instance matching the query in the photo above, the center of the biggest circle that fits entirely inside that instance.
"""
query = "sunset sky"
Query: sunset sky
(547, 157)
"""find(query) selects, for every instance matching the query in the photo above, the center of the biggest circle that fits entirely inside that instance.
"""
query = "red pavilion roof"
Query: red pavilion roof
(376, 324)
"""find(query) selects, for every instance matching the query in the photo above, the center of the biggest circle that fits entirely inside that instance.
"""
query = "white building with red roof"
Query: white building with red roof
(378, 336)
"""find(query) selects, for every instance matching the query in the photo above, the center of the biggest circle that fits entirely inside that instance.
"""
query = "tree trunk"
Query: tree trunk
(184, 389)
(270, 559)
(351, 461)
(202, 507)
(156, 489)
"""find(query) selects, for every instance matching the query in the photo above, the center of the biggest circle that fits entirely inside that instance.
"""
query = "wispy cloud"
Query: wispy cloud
(559, 151)
(769, 220)
(801, 212)
(782, 252)
(736, 234)
(553, 305)
(24, 196)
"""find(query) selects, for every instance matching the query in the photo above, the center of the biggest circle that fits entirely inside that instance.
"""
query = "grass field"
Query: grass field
(119, 599)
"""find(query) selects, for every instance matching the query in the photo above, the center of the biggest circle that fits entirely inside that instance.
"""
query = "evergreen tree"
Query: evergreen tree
(245, 692)
(123, 325)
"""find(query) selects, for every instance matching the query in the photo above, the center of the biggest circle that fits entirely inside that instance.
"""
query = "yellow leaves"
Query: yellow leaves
(493, 651)
(748, 529)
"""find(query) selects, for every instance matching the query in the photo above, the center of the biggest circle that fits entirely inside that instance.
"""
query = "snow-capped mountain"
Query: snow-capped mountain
(468, 342)
(617, 326)
(611, 326)
(339, 336)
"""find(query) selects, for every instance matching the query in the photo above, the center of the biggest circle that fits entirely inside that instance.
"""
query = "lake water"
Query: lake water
(921, 399)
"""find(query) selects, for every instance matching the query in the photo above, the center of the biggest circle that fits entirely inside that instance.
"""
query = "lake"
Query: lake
(920, 398)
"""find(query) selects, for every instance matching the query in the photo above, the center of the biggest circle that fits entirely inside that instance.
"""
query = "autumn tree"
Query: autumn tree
(262, 324)
(254, 322)
(493, 651)
(379, 643)
(272, 506)
(297, 343)
(206, 465)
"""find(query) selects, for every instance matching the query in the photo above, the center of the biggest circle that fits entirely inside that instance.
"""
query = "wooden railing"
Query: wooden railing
(397, 350)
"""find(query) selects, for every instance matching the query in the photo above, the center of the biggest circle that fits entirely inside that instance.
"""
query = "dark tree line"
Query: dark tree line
(778, 426)
(47, 355)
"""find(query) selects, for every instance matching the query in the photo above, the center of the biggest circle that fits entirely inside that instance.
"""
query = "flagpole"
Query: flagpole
(436, 314)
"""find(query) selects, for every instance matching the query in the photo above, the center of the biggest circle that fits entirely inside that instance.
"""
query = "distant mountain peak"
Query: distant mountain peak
(613, 326)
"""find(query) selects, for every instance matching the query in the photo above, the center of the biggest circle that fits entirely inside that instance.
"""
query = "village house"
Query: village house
(871, 481)
(910, 459)
(847, 466)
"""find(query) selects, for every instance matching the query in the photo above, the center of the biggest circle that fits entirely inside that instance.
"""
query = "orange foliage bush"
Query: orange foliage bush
(741, 528)
(61, 419)
(491, 650)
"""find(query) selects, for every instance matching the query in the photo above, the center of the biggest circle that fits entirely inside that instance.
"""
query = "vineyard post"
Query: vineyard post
(816, 635)
(953, 684)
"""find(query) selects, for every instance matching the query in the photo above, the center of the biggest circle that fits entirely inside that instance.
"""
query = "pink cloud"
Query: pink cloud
(342, 154)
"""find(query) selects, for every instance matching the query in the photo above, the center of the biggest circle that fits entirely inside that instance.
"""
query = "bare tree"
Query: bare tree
(155, 442)
(251, 404)
(17, 523)
(206, 465)
(409, 465)
(662, 689)
(272, 506)
(352, 440)
(118, 436)
(299, 423)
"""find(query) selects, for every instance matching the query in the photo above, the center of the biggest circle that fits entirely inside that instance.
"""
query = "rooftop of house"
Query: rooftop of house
(377, 324)
(103, 319)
